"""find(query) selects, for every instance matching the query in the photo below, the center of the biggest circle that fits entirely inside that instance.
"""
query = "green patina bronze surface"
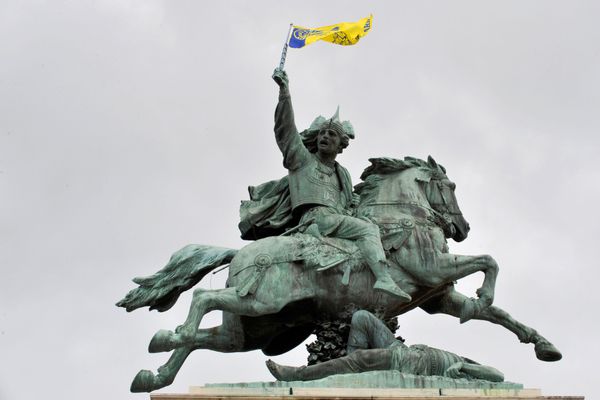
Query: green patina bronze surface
(371, 346)
(321, 245)
(381, 380)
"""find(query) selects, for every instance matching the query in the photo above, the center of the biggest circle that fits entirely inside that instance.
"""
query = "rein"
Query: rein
(437, 219)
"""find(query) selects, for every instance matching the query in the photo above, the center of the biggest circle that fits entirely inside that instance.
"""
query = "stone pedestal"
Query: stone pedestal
(203, 393)
(381, 385)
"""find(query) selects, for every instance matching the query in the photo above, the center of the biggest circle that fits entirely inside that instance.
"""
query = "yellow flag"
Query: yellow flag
(345, 33)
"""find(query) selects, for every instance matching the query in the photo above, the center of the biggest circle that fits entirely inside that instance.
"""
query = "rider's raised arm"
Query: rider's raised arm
(286, 133)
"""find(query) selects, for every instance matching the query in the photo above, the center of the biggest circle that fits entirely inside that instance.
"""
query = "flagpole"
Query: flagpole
(285, 47)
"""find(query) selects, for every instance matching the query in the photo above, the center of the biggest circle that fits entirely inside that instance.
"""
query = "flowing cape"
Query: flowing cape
(268, 212)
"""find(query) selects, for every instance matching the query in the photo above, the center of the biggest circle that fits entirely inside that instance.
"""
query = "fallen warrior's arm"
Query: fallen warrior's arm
(459, 369)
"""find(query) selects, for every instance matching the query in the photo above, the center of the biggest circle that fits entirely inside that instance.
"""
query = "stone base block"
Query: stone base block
(381, 385)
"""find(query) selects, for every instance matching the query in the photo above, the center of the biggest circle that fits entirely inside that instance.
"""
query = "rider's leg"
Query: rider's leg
(366, 237)
(368, 332)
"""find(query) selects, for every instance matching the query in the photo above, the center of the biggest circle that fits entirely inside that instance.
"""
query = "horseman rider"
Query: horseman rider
(321, 189)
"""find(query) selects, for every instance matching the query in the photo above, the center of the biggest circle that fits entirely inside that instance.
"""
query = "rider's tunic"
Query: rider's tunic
(311, 182)
(318, 191)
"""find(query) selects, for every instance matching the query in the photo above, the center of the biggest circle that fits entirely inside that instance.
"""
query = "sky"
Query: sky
(129, 129)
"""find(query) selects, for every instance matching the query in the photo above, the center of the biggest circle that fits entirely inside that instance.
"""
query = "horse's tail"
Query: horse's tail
(185, 268)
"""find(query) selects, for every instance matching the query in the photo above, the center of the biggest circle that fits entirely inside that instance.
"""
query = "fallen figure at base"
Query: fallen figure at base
(373, 347)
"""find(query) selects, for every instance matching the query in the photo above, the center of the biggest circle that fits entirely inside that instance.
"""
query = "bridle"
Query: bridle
(445, 206)
(444, 210)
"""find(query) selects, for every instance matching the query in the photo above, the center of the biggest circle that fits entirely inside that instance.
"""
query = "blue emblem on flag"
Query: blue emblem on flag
(298, 38)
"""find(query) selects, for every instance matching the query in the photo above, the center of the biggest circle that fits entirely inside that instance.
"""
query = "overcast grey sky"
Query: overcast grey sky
(129, 129)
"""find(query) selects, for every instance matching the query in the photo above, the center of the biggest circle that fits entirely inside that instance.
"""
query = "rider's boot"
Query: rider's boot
(386, 284)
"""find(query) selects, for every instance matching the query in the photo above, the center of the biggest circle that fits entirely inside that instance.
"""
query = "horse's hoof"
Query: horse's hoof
(161, 341)
(546, 351)
(143, 382)
(468, 310)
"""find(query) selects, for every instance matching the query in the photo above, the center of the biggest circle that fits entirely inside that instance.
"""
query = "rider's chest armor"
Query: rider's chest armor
(316, 183)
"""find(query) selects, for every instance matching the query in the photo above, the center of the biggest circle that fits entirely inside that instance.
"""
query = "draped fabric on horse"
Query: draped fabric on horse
(268, 212)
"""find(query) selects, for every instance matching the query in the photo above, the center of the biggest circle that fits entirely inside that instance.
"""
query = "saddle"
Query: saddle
(313, 252)
(321, 253)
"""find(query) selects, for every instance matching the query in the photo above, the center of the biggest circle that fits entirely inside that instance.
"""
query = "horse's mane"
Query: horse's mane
(380, 166)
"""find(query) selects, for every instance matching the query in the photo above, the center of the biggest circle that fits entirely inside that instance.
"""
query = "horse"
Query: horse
(279, 287)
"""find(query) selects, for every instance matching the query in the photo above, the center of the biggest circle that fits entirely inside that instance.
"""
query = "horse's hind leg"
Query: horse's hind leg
(146, 381)
(227, 300)
(453, 302)
(228, 337)
(225, 338)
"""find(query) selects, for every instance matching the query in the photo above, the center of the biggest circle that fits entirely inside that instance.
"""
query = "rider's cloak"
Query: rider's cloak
(268, 212)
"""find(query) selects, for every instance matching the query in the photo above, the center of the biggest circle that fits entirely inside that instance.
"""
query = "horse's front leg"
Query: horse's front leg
(453, 302)
(442, 268)
(455, 267)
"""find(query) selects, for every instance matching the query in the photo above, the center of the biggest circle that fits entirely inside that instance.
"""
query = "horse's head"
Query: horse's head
(439, 191)
(390, 184)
